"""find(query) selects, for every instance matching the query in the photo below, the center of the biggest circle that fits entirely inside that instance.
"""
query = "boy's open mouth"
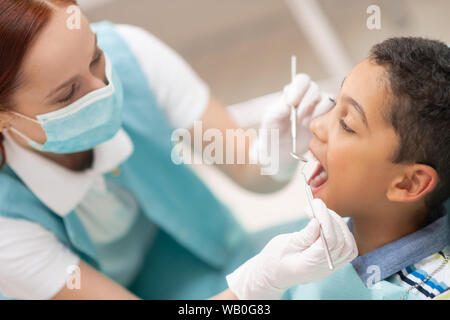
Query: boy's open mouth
(318, 179)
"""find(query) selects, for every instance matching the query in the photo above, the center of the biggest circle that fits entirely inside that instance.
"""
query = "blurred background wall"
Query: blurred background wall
(242, 49)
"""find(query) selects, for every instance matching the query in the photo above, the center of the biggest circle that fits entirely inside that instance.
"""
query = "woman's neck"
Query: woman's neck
(79, 161)
(74, 161)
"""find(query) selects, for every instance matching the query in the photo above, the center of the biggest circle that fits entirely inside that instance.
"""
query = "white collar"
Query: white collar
(59, 188)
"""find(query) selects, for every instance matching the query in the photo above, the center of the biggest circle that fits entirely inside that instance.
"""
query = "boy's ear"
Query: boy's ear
(417, 180)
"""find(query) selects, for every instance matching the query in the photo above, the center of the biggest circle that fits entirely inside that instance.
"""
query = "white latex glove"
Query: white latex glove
(295, 258)
(305, 95)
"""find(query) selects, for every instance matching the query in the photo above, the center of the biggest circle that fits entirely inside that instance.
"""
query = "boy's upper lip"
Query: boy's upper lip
(318, 159)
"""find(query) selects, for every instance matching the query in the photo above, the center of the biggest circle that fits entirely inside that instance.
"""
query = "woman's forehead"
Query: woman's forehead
(58, 52)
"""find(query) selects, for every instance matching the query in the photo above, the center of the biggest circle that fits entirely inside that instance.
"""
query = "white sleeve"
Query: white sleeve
(177, 88)
(33, 262)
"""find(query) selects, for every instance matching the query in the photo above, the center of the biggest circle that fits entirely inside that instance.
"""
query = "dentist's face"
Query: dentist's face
(354, 144)
(61, 66)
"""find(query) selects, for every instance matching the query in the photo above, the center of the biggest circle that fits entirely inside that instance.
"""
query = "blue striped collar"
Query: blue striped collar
(410, 249)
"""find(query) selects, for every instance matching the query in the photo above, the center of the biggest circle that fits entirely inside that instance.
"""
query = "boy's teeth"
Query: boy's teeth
(319, 178)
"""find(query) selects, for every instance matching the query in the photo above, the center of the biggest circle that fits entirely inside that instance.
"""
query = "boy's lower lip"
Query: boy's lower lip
(316, 190)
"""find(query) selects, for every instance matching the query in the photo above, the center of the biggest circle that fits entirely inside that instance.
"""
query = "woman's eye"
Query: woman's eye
(70, 96)
(345, 127)
(97, 59)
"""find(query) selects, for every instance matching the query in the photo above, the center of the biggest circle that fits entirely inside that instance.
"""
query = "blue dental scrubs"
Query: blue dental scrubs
(197, 239)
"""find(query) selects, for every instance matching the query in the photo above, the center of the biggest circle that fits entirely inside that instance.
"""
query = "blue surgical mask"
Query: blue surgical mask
(85, 123)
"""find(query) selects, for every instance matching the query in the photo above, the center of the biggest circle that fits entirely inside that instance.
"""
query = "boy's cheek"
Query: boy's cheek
(352, 185)
(347, 197)
(342, 189)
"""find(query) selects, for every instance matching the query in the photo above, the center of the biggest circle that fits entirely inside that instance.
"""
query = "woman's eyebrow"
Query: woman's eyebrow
(358, 108)
(66, 83)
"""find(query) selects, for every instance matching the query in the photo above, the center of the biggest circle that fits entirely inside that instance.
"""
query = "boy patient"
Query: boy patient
(384, 154)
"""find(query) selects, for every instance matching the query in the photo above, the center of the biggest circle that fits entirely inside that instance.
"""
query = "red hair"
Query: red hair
(20, 23)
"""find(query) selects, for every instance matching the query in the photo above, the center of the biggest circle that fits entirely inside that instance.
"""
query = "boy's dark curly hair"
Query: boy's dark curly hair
(419, 78)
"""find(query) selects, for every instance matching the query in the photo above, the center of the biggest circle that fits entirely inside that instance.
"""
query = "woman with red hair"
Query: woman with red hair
(91, 204)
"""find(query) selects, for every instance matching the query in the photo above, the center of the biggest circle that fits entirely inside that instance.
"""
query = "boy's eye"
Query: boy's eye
(345, 127)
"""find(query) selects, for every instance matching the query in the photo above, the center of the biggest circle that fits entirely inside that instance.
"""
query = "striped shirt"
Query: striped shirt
(408, 261)
(437, 286)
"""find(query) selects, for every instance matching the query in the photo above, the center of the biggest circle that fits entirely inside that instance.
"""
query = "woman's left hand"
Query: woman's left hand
(295, 258)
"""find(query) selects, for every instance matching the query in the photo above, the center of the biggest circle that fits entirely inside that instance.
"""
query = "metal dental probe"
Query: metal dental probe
(309, 195)
(293, 115)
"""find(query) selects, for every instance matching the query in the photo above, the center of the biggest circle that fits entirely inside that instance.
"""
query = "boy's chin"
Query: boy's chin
(331, 203)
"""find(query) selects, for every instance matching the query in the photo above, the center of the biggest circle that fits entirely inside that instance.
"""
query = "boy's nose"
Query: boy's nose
(319, 128)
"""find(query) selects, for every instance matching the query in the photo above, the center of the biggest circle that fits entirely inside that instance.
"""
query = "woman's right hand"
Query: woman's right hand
(295, 258)
(305, 96)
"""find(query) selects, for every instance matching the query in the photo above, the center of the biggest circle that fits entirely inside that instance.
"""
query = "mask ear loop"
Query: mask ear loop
(24, 116)
(23, 136)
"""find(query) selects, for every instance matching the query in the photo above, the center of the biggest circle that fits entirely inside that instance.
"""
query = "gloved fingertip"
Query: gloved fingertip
(301, 78)
(295, 91)
(319, 204)
(309, 213)
(323, 105)
(286, 88)
(315, 225)
(312, 229)
(355, 252)
(307, 236)
(314, 92)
